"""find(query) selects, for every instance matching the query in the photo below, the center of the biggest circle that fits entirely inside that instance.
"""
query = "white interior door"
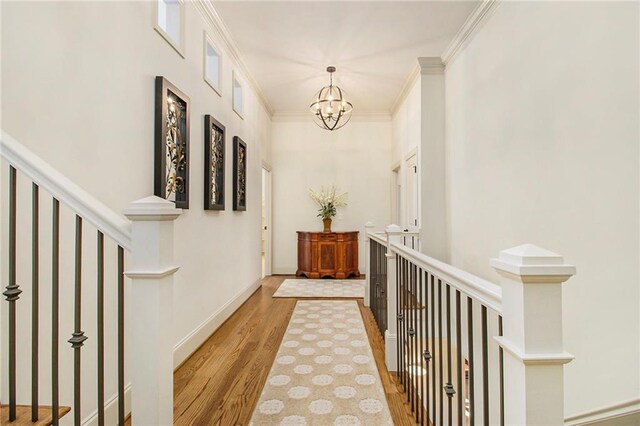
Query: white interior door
(266, 222)
(411, 218)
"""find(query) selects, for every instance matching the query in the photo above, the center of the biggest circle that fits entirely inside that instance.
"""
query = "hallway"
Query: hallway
(222, 381)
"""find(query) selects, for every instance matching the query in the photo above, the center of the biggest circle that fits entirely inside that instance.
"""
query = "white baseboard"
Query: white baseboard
(606, 413)
(110, 409)
(192, 341)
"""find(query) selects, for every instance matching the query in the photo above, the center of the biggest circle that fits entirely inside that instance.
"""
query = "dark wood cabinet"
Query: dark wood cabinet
(328, 254)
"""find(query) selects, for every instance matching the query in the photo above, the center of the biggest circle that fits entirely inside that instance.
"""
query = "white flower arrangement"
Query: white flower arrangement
(328, 201)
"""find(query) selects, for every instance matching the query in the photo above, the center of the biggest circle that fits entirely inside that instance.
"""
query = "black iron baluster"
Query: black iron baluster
(78, 337)
(485, 367)
(433, 345)
(420, 345)
(471, 364)
(501, 361)
(100, 285)
(35, 297)
(411, 335)
(448, 387)
(12, 293)
(398, 319)
(121, 413)
(403, 322)
(459, 357)
(440, 357)
(55, 309)
(427, 354)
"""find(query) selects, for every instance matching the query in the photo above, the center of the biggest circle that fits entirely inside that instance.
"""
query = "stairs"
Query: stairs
(23, 415)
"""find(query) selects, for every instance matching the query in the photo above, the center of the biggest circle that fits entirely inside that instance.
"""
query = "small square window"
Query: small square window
(169, 22)
(212, 65)
(237, 96)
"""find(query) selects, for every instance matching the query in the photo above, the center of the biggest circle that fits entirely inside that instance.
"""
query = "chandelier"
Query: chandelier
(330, 109)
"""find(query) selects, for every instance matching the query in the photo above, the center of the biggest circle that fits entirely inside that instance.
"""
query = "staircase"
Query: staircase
(67, 346)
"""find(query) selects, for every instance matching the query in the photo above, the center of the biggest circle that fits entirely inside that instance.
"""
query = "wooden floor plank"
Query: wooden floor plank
(23, 415)
(220, 384)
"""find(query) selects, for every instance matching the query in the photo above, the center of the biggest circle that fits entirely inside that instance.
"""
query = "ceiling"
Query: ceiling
(287, 45)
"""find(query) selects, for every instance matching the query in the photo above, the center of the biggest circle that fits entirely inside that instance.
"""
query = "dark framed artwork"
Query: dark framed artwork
(214, 156)
(171, 162)
(239, 174)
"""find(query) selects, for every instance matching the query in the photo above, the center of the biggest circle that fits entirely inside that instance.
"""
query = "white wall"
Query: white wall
(354, 158)
(542, 147)
(78, 90)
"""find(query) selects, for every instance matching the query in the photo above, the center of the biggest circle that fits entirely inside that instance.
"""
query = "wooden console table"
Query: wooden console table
(328, 254)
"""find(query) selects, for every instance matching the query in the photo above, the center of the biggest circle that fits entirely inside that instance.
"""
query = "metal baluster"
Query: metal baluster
(433, 345)
(448, 388)
(78, 337)
(12, 293)
(440, 357)
(405, 318)
(383, 279)
(411, 335)
(121, 413)
(485, 367)
(501, 361)
(398, 317)
(427, 354)
(402, 323)
(55, 308)
(35, 297)
(459, 357)
(420, 339)
(471, 364)
(100, 280)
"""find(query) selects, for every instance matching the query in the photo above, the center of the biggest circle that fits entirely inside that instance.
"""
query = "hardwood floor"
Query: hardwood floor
(221, 382)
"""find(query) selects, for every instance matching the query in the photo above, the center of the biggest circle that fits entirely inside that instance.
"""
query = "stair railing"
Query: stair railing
(147, 235)
(469, 351)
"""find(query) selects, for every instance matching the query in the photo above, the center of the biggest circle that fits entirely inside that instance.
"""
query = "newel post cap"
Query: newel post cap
(152, 208)
(393, 229)
(369, 225)
(533, 264)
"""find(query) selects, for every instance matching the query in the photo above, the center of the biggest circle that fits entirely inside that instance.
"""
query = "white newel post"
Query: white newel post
(368, 227)
(532, 280)
(151, 273)
(391, 335)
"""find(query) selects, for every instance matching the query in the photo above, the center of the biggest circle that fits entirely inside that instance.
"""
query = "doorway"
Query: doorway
(411, 220)
(396, 196)
(266, 221)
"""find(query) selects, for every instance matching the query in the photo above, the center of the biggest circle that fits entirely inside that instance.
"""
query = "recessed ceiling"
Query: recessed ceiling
(374, 45)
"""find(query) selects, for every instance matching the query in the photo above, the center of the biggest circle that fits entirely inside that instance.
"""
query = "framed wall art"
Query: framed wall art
(171, 162)
(239, 174)
(214, 159)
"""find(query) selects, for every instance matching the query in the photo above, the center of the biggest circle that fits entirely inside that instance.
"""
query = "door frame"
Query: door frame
(268, 188)
(409, 158)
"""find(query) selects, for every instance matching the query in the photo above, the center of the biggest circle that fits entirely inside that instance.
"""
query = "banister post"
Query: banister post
(151, 273)
(391, 335)
(367, 263)
(531, 281)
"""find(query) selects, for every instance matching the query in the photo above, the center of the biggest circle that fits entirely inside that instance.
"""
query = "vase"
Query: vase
(327, 225)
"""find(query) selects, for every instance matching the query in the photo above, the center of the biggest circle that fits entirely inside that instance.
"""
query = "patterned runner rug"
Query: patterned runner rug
(324, 372)
(320, 288)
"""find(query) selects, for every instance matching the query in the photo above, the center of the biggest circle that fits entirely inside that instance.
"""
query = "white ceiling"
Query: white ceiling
(287, 46)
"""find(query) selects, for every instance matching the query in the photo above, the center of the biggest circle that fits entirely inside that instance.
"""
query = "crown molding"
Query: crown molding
(210, 15)
(430, 66)
(306, 116)
(471, 26)
(406, 88)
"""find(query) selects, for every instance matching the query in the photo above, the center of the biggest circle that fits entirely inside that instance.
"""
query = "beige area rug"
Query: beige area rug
(320, 288)
(324, 372)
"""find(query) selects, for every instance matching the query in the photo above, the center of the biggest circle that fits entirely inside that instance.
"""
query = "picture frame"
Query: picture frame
(214, 164)
(239, 174)
(171, 151)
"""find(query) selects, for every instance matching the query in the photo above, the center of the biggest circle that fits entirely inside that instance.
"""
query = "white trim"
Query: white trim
(111, 409)
(430, 65)
(211, 16)
(66, 191)
(534, 359)
(485, 292)
(605, 413)
(179, 49)
(380, 237)
(408, 155)
(406, 88)
(306, 116)
(192, 341)
(152, 275)
(208, 41)
(468, 30)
